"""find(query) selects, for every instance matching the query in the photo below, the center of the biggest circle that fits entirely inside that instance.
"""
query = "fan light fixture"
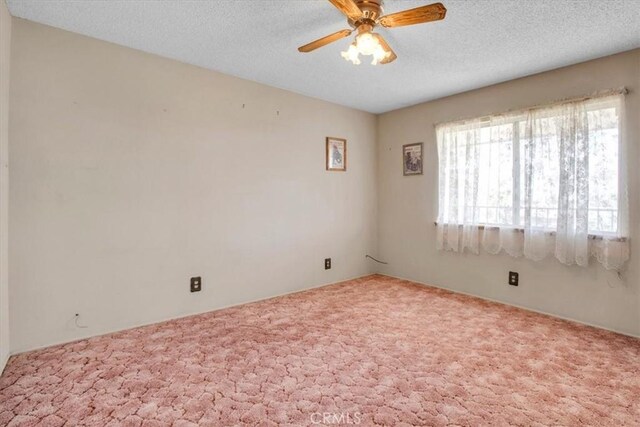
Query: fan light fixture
(366, 44)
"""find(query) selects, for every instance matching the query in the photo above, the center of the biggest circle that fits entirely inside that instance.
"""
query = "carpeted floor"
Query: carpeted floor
(370, 351)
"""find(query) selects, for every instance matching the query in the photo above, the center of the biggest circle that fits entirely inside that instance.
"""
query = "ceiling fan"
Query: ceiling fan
(363, 16)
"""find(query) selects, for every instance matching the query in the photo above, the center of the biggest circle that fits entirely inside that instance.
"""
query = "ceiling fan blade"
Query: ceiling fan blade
(392, 57)
(419, 15)
(349, 8)
(324, 41)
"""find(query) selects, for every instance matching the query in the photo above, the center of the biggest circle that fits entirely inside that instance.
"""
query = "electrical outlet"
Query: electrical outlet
(327, 263)
(513, 278)
(196, 284)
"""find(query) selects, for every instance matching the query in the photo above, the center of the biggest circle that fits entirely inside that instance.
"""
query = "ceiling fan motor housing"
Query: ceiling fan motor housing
(371, 10)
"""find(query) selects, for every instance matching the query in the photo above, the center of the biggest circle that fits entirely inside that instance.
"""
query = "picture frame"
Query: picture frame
(412, 162)
(336, 154)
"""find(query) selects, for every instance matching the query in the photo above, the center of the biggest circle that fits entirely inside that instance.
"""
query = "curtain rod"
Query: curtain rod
(598, 94)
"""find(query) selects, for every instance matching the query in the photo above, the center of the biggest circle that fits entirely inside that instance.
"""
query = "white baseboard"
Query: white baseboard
(557, 316)
(3, 362)
(182, 316)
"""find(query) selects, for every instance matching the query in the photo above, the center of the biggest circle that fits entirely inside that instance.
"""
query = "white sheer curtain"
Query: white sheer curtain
(548, 180)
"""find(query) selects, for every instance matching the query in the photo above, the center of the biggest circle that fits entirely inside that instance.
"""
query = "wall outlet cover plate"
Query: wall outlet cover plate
(513, 278)
(196, 284)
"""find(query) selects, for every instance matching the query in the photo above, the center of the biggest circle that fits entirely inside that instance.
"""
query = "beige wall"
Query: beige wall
(407, 206)
(5, 58)
(131, 173)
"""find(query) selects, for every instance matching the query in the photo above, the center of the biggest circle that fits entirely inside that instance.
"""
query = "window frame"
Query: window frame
(515, 118)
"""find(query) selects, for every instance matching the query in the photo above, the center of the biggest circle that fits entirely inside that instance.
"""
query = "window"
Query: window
(550, 170)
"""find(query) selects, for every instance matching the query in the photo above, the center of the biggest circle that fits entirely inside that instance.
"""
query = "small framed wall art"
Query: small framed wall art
(412, 159)
(336, 154)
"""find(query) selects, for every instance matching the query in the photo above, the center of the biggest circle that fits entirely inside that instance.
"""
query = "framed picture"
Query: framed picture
(412, 159)
(336, 154)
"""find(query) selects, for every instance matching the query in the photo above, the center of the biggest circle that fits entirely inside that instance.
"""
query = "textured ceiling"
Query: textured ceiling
(479, 43)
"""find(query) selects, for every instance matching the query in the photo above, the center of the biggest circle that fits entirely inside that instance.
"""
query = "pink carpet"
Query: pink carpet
(370, 351)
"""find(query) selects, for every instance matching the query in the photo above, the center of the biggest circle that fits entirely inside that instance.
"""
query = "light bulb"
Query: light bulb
(367, 43)
(351, 54)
